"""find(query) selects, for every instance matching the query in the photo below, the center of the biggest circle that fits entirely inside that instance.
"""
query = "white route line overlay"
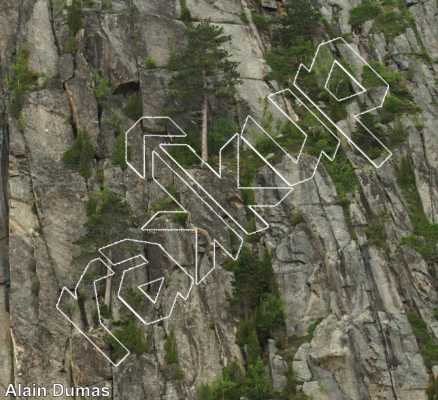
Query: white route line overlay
(111, 273)
(239, 137)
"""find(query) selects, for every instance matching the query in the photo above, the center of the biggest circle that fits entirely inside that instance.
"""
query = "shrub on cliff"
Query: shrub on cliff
(131, 337)
(21, 80)
(134, 108)
(74, 18)
(78, 157)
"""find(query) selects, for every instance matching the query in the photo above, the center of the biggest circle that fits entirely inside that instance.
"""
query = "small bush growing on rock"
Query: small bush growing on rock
(177, 372)
(410, 72)
(116, 122)
(429, 349)
(150, 62)
(171, 356)
(179, 218)
(74, 18)
(131, 337)
(22, 79)
(296, 219)
(363, 13)
(134, 108)
(101, 89)
(32, 264)
(260, 21)
(424, 238)
(118, 154)
(78, 157)
(70, 45)
(70, 308)
(185, 12)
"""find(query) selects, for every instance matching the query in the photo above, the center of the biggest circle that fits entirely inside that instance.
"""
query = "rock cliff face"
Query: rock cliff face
(327, 265)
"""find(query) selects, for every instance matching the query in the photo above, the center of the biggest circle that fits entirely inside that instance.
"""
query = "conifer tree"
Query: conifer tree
(109, 217)
(204, 73)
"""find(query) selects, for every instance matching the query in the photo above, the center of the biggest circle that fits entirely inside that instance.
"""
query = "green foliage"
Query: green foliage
(118, 155)
(393, 23)
(104, 311)
(70, 45)
(32, 264)
(296, 219)
(2, 121)
(336, 111)
(22, 125)
(134, 108)
(259, 386)
(375, 235)
(230, 385)
(342, 174)
(101, 89)
(233, 237)
(78, 157)
(345, 181)
(58, 6)
(432, 390)
(428, 347)
(171, 356)
(183, 154)
(70, 308)
(363, 13)
(398, 134)
(134, 298)
(298, 24)
(270, 314)
(177, 372)
(109, 217)
(204, 72)
(150, 62)
(165, 205)
(116, 121)
(410, 72)
(185, 12)
(36, 286)
(244, 18)
(74, 18)
(179, 217)
(398, 102)
(252, 279)
(301, 20)
(223, 129)
(131, 337)
(425, 233)
(260, 21)
(22, 79)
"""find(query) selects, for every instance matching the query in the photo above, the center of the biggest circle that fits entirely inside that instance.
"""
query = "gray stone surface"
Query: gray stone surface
(158, 36)
(363, 349)
(41, 41)
(277, 366)
(425, 21)
(217, 10)
(82, 100)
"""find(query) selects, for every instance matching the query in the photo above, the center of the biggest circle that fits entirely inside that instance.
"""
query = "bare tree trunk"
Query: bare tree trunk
(204, 124)
(108, 286)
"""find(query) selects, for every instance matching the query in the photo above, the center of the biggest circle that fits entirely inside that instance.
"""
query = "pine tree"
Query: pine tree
(204, 72)
(171, 356)
(109, 218)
